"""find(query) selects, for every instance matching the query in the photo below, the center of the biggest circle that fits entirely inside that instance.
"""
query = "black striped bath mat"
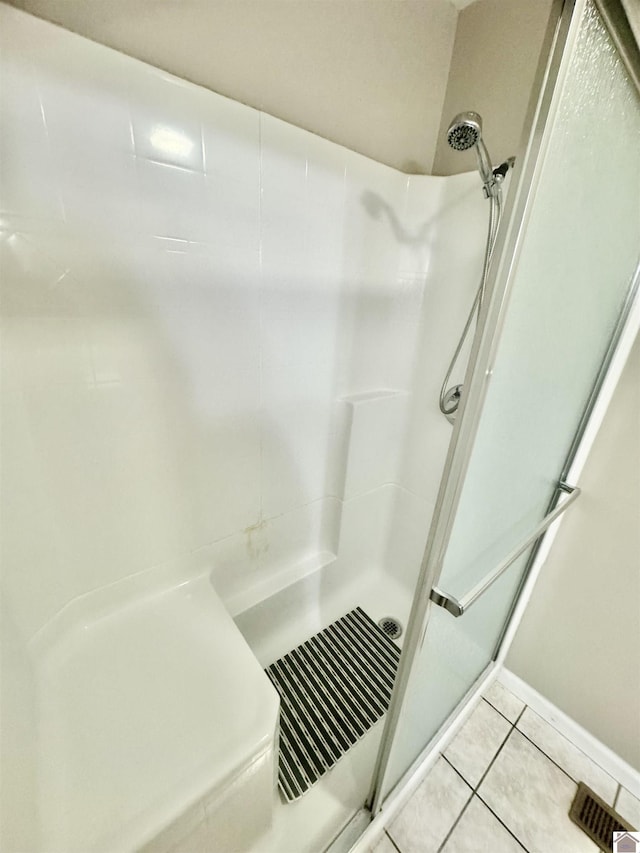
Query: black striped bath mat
(332, 688)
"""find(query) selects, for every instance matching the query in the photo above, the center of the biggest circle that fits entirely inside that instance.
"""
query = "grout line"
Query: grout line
(442, 755)
(475, 789)
(520, 716)
(541, 750)
(571, 743)
(455, 823)
(491, 763)
(392, 841)
(617, 796)
(500, 821)
(489, 702)
(484, 775)
(511, 723)
(515, 729)
(548, 757)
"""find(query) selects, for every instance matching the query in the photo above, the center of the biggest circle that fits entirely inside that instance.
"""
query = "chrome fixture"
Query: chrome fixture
(500, 172)
(457, 606)
(449, 404)
(465, 131)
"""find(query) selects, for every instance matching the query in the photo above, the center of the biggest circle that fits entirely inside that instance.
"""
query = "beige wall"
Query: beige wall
(370, 75)
(494, 62)
(579, 641)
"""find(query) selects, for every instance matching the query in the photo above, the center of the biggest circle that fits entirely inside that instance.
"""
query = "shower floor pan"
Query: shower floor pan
(149, 714)
(279, 624)
(283, 621)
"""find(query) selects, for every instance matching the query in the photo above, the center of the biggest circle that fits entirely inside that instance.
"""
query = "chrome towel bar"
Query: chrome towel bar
(459, 606)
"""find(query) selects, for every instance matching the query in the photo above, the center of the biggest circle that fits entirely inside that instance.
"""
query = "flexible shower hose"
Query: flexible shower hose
(495, 215)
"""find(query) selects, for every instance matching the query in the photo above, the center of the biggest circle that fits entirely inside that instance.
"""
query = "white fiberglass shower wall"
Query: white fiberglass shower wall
(223, 339)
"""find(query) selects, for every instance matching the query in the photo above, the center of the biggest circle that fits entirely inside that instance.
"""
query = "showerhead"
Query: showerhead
(465, 131)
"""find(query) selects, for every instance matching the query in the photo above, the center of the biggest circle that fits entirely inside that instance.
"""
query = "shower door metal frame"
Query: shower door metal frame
(615, 20)
(555, 58)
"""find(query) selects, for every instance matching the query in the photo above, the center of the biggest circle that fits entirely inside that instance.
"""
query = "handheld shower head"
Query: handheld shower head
(464, 131)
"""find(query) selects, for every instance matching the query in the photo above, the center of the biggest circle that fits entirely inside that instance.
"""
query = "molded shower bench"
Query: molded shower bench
(156, 720)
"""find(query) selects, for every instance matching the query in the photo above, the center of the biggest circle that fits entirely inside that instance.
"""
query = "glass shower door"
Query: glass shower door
(570, 274)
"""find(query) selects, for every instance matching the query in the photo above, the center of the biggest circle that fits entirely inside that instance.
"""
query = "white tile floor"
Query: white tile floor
(504, 784)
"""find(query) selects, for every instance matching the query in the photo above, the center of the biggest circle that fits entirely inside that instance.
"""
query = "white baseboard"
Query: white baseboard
(606, 758)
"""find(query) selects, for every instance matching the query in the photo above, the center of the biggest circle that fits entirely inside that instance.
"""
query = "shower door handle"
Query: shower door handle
(457, 606)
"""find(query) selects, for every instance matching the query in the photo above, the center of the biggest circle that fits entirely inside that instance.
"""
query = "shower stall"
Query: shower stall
(226, 456)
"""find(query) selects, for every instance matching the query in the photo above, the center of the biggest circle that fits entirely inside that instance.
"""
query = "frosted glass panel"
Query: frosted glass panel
(580, 250)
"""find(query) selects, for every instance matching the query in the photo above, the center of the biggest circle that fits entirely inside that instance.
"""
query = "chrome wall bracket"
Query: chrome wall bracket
(457, 606)
(448, 602)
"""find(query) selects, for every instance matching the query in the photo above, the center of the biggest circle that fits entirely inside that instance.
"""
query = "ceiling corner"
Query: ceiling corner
(462, 4)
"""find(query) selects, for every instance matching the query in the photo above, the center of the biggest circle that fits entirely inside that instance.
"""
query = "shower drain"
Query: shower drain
(391, 627)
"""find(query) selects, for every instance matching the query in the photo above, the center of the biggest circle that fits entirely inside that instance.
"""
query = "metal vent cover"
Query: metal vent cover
(597, 819)
(391, 626)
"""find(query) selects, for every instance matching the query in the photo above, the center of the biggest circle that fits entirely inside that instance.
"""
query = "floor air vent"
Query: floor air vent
(332, 688)
(596, 818)
(391, 627)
